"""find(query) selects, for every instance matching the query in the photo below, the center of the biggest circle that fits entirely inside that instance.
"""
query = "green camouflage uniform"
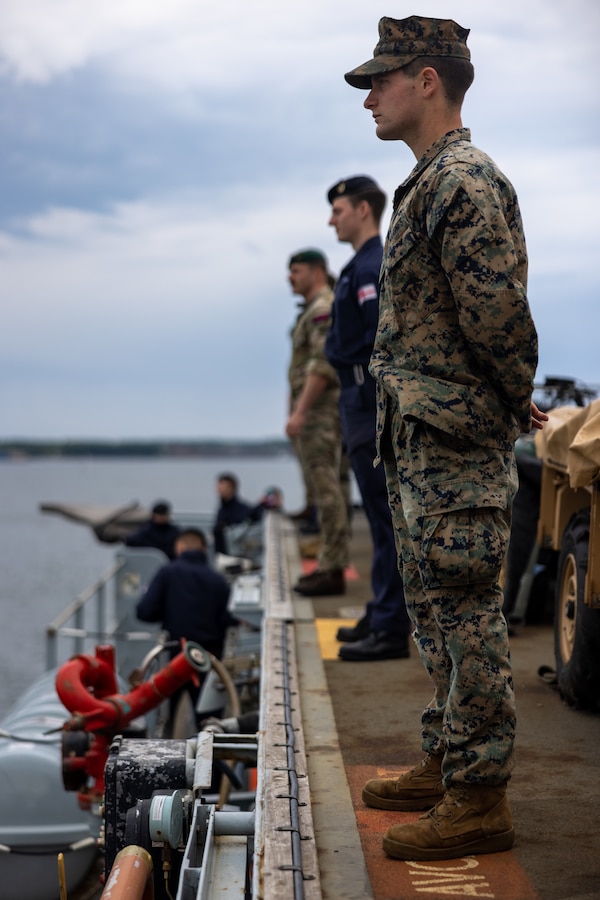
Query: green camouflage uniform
(319, 443)
(455, 357)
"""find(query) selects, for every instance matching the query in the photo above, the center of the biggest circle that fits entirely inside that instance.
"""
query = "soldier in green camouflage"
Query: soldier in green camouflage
(314, 422)
(455, 358)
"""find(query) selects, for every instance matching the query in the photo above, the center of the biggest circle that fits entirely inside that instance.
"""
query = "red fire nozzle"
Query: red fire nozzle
(87, 686)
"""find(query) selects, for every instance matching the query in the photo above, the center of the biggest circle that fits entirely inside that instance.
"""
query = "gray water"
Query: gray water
(46, 561)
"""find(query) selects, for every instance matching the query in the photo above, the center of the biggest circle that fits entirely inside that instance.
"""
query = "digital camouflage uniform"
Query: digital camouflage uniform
(455, 357)
(319, 444)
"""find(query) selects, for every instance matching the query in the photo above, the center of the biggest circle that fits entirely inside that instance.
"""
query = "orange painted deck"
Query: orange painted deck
(495, 876)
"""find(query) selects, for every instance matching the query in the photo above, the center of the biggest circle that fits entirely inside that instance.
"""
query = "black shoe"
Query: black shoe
(377, 645)
(348, 635)
(305, 579)
(323, 584)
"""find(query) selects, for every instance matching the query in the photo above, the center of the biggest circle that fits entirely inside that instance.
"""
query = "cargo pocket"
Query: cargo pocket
(464, 535)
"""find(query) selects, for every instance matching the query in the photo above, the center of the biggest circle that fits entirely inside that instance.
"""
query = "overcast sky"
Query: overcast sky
(160, 162)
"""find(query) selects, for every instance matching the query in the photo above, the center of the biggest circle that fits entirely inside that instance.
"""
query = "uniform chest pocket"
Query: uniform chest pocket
(300, 339)
(401, 242)
(413, 280)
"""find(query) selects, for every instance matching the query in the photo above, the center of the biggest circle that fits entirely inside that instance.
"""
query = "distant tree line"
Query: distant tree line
(20, 449)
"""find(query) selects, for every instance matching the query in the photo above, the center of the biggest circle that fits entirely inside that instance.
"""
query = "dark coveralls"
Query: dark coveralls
(348, 349)
(161, 535)
(189, 599)
(232, 512)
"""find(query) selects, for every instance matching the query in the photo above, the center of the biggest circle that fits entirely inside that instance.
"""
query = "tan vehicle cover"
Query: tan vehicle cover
(570, 442)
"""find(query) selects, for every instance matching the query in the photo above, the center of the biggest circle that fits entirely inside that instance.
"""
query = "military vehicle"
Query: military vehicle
(569, 525)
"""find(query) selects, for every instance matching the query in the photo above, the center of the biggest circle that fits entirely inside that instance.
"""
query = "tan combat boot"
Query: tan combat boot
(471, 818)
(420, 788)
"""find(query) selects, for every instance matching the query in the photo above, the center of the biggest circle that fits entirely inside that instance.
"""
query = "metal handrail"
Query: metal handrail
(75, 611)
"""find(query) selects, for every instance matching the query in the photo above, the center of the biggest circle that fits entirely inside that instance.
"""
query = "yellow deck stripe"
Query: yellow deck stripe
(326, 631)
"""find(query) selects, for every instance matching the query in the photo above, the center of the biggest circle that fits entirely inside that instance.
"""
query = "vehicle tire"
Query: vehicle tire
(576, 626)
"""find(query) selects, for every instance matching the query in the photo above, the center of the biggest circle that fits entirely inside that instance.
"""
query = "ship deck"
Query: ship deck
(354, 721)
(362, 720)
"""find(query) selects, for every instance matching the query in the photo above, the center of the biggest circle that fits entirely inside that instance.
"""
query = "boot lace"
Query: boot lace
(443, 809)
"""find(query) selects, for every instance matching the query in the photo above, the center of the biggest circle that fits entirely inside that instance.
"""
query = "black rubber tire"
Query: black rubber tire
(576, 626)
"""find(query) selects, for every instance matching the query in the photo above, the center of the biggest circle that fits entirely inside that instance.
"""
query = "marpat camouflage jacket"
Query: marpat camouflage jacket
(456, 344)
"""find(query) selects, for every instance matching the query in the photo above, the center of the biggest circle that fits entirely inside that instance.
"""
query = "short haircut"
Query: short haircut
(375, 199)
(229, 477)
(455, 74)
(193, 538)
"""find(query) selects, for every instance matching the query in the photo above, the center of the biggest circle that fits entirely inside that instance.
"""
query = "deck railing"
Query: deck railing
(71, 622)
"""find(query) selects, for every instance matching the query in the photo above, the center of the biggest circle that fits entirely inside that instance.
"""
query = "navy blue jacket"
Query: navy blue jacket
(356, 309)
(350, 342)
(155, 534)
(233, 512)
(190, 599)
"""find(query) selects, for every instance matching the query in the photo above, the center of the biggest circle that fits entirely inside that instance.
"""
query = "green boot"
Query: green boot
(471, 818)
(420, 788)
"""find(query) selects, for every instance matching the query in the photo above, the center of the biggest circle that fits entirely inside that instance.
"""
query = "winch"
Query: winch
(159, 800)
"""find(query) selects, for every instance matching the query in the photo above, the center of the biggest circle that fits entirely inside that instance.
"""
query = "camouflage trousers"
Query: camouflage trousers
(309, 489)
(451, 502)
(319, 449)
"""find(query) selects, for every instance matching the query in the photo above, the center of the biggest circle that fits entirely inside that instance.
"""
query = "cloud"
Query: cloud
(165, 297)
(183, 43)
(163, 160)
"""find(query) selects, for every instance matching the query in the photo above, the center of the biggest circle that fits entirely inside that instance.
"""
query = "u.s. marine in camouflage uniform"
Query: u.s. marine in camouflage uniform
(314, 422)
(455, 358)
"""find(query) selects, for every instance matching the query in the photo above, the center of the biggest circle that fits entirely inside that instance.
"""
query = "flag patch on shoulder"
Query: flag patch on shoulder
(366, 292)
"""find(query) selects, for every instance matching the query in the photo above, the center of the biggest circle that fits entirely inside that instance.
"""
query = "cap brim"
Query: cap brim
(361, 76)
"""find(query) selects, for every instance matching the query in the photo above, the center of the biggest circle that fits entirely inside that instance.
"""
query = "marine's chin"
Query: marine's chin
(382, 132)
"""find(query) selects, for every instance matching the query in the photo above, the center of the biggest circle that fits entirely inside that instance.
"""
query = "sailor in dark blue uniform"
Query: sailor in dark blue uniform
(357, 205)
(157, 532)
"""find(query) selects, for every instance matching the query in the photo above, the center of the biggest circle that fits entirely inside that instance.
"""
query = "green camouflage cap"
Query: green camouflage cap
(402, 40)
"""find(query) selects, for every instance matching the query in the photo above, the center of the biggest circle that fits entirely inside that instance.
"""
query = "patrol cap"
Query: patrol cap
(161, 508)
(350, 187)
(402, 40)
(310, 255)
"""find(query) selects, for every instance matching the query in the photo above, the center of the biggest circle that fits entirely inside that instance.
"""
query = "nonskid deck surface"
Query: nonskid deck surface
(375, 713)
(497, 876)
